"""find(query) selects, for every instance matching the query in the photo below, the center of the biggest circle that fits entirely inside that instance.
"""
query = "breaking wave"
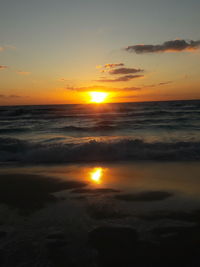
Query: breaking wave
(12, 149)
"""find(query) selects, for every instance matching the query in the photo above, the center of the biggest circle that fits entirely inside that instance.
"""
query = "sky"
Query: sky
(57, 52)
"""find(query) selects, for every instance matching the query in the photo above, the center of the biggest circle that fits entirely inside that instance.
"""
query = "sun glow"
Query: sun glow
(96, 175)
(98, 97)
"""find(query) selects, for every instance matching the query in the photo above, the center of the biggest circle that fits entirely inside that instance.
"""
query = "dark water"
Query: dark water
(125, 131)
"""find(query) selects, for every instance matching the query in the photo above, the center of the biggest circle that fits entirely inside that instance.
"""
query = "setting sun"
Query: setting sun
(98, 97)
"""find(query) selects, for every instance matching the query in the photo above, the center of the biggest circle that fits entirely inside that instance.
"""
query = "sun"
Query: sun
(98, 97)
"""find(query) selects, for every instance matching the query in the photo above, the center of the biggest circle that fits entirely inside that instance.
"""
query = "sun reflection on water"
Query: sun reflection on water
(96, 175)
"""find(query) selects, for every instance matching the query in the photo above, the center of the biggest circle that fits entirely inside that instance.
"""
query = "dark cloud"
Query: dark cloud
(3, 67)
(125, 78)
(125, 71)
(169, 46)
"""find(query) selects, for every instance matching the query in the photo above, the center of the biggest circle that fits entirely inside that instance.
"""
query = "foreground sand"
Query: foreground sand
(125, 214)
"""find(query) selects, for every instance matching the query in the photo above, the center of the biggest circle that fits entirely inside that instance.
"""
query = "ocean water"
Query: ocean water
(133, 165)
(100, 132)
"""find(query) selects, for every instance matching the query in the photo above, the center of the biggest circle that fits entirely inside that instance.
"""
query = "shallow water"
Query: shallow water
(180, 180)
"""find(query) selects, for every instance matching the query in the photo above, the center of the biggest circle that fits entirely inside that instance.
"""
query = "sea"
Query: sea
(100, 185)
(100, 132)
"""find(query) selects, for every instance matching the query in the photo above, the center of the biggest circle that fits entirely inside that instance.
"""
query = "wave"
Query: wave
(89, 129)
(21, 151)
(13, 130)
(123, 125)
(156, 109)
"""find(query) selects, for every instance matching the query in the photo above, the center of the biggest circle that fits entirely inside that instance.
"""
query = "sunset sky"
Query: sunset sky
(58, 51)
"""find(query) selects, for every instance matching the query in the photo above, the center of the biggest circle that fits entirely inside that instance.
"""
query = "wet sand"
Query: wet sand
(125, 214)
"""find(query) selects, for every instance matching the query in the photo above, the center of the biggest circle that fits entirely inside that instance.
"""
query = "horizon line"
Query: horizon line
(99, 104)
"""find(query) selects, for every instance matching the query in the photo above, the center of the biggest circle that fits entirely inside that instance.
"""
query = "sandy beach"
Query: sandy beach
(51, 214)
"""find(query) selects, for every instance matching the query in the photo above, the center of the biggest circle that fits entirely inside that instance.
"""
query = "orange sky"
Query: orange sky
(56, 53)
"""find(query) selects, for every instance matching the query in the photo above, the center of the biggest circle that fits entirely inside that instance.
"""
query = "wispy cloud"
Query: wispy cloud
(113, 65)
(130, 89)
(157, 84)
(23, 72)
(124, 78)
(7, 47)
(99, 66)
(9, 96)
(86, 88)
(63, 80)
(3, 67)
(11, 47)
(178, 45)
(14, 96)
(102, 88)
(114, 89)
(125, 97)
(109, 66)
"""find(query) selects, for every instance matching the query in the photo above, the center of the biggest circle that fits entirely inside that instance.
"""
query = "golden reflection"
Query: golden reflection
(96, 175)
